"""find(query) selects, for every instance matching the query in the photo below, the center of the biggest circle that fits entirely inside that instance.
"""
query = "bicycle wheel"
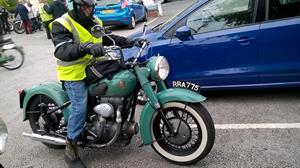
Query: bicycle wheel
(18, 27)
(15, 58)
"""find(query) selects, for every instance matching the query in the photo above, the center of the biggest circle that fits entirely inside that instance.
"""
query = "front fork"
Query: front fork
(153, 98)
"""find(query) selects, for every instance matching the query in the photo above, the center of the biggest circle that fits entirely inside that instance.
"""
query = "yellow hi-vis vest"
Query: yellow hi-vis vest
(75, 70)
(44, 15)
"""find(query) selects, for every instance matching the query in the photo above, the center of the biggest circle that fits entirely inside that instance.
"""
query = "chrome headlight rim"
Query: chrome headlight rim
(161, 68)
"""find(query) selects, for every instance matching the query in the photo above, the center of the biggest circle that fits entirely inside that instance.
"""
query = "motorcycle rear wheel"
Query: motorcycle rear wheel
(35, 120)
(195, 133)
(18, 58)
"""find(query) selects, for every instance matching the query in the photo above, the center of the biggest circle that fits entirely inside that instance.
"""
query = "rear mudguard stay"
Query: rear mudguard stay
(165, 96)
(51, 89)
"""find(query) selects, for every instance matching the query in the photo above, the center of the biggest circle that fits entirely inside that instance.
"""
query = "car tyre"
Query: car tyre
(146, 16)
(132, 23)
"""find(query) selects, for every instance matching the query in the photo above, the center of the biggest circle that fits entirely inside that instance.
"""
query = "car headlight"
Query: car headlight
(159, 67)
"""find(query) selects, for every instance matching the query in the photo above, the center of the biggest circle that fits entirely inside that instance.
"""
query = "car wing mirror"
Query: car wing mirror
(184, 33)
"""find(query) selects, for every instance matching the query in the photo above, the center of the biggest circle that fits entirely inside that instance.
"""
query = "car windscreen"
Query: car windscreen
(107, 2)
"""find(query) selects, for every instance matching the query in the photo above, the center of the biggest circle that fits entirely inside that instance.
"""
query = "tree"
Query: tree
(10, 5)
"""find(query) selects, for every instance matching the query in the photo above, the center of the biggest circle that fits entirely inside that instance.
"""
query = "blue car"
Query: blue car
(121, 12)
(231, 44)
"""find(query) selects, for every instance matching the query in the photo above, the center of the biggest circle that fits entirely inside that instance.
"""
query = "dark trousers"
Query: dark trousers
(35, 24)
(27, 26)
(46, 25)
(5, 25)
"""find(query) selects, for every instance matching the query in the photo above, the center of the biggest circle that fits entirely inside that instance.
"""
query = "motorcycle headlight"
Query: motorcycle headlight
(159, 68)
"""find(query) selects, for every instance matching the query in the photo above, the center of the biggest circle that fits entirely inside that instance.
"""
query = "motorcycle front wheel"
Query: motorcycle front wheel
(15, 58)
(36, 122)
(194, 133)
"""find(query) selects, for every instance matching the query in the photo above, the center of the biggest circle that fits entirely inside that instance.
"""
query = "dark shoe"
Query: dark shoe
(71, 155)
(71, 150)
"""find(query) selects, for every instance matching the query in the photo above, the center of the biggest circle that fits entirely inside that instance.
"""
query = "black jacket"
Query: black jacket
(57, 9)
(65, 47)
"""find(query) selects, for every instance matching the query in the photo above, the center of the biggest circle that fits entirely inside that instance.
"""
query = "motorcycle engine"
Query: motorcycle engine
(103, 125)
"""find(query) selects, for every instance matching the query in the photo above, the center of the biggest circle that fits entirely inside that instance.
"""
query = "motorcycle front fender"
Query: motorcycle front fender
(165, 96)
(51, 89)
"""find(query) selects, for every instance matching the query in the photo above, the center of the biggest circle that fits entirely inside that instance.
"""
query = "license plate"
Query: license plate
(187, 85)
(108, 11)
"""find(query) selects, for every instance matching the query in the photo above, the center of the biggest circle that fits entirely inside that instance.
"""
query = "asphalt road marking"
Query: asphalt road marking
(258, 126)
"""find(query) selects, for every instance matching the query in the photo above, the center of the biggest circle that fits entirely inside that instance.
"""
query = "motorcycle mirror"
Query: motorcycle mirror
(3, 136)
(98, 31)
(145, 30)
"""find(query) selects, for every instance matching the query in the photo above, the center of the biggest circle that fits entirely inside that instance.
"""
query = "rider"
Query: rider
(74, 46)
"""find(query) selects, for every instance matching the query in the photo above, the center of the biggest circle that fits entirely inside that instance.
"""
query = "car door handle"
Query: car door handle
(244, 40)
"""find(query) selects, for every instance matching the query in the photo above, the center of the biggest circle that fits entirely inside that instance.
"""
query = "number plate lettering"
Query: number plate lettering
(187, 85)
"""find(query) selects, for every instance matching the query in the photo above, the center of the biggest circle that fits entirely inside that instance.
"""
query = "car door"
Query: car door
(223, 51)
(279, 53)
(138, 9)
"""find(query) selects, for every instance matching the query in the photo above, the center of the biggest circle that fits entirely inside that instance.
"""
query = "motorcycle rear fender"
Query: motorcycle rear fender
(165, 96)
(51, 89)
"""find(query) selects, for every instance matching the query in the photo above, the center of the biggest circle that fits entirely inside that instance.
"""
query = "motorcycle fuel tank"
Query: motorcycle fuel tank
(120, 85)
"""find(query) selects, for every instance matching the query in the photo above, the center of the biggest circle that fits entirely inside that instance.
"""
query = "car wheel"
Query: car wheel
(132, 23)
(146, 16)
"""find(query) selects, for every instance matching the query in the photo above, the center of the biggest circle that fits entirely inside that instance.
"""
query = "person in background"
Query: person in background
(4, 20)
(31, 16)
(46, 18)
(23, 12)
(57, 8)
(35, 19)
(2, 26)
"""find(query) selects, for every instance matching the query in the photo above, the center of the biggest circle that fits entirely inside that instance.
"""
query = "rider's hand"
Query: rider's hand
(94, 49)
(137, 42)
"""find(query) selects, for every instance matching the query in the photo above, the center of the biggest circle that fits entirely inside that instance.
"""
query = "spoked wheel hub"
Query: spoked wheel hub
(181, 129)
(193, 132)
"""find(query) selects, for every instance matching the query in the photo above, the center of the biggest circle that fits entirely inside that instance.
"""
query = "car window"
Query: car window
(221, 14)
(283, 8)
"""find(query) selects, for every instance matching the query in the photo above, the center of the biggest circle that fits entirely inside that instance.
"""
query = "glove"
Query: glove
(94, 49)
(136, 42)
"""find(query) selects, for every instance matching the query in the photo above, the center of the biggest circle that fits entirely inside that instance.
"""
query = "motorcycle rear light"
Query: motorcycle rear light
(124, 4)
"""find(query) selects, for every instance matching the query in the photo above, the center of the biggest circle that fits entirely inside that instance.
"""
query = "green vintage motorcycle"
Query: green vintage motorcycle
(173, 121)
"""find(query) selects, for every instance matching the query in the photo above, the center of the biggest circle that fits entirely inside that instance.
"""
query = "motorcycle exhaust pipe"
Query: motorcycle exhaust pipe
(45, 139)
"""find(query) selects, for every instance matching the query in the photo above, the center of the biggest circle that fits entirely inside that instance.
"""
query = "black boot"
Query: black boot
(71, 155)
